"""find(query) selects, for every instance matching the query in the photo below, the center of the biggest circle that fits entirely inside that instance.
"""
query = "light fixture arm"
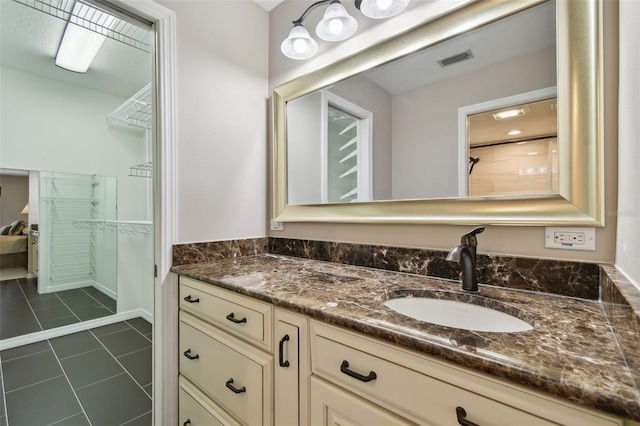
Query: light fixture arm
(309, 9)
(316, 4)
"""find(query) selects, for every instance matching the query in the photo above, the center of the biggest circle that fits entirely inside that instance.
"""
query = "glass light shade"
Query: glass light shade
(299, 44)
(336, 24)
(78, 48)
(380, 9)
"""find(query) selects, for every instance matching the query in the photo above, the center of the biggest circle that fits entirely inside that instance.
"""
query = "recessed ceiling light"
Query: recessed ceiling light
(515, 112)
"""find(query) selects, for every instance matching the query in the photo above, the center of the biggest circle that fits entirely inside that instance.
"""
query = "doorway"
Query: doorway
(160, 17)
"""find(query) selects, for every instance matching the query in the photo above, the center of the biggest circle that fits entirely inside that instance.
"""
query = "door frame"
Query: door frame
(165, 315)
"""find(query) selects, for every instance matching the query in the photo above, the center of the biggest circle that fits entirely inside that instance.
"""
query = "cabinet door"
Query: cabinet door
(332, 406)
(291, 369)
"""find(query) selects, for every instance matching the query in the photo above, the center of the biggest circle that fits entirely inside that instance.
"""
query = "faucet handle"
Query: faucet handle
(469, 239)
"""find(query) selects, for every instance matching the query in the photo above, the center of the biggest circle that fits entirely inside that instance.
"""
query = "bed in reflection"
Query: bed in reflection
(13, 246)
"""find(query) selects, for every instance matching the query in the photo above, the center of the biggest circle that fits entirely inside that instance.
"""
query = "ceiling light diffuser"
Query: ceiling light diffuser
(508, 113)
(78, 48)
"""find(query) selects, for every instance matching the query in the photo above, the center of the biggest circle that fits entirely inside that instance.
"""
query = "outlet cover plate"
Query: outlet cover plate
(276, 226)
(567, 238)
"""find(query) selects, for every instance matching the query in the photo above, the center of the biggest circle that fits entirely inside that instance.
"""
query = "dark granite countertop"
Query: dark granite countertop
(571, 353)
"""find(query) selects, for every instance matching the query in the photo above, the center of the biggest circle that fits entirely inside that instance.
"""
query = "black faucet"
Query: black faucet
(465, 254)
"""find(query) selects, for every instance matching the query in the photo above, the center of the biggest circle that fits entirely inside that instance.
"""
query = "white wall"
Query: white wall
(13, 197)
(48, 125)
(628, 211)
(425, 121)
(304, 153)
(222, 97)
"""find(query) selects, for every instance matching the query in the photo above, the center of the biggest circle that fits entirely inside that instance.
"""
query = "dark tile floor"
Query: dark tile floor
(99, 377)
(24, 311)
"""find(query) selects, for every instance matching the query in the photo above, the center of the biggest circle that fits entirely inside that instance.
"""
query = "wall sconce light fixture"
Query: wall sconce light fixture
(336, 25)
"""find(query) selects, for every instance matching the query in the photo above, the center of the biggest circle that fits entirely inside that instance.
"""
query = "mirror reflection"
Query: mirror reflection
(56, 269)
(393, 133)
(72, 142)
(514, 150)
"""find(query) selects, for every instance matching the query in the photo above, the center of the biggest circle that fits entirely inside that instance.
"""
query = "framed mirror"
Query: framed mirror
(390, 168)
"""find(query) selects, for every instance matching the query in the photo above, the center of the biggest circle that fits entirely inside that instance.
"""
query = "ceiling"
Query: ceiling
(268, 5)
(517, 35)
(29, 40)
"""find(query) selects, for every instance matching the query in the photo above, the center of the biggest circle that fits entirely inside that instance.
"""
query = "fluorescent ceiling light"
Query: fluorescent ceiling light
(508, 113)
(78, 48)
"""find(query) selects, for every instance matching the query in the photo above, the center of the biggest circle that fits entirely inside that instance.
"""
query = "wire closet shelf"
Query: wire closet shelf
(94, 19)
(130, 227)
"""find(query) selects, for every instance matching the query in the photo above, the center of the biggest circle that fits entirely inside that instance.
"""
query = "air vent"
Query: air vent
(456, 58)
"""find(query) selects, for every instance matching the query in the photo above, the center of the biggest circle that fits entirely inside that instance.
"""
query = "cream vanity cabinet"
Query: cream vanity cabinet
(229, 374)
(358, 380)
(244, 362)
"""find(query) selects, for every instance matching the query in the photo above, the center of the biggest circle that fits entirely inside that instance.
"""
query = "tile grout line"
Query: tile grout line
(78, 354)
(4, 394)
(68, 307)
(100, 381)
(136, 418)
(143, 335)
(30, 307)
(136, 351)
(97, 301)
(120, 364)
(32, 384)
(69, 382)
(24, 356)
(57, 422)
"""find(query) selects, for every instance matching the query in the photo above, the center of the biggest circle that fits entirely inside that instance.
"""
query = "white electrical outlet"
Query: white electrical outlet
(570, 238)
(276, 226)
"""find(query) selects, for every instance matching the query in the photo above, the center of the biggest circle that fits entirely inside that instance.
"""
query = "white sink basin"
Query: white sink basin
(450, 313)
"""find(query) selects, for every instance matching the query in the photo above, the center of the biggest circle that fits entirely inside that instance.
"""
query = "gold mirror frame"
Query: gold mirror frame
(580, 198)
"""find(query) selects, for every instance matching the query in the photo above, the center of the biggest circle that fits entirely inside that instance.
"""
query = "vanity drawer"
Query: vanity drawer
(241, 316)
(413, 386)
(233, 374)
(195, 409)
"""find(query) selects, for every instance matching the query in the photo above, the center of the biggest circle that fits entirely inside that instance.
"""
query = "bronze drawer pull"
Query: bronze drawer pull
(231, 317)
(281, 351)
(461, 414)
(234, 389)
(190, 300)
(187, 353)
(187, 422)
(345, 369)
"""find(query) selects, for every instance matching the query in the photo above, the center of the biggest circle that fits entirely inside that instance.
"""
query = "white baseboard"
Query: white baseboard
(104, 289)
(73, 328)
(63, 287)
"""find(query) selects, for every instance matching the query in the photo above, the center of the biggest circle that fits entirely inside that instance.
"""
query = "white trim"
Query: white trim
(73, 328)
(364, 145)
(324, 147)
(165, 325)
(465, 111)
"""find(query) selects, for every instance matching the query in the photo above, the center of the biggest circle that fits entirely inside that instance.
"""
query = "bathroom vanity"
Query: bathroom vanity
(275, 340)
